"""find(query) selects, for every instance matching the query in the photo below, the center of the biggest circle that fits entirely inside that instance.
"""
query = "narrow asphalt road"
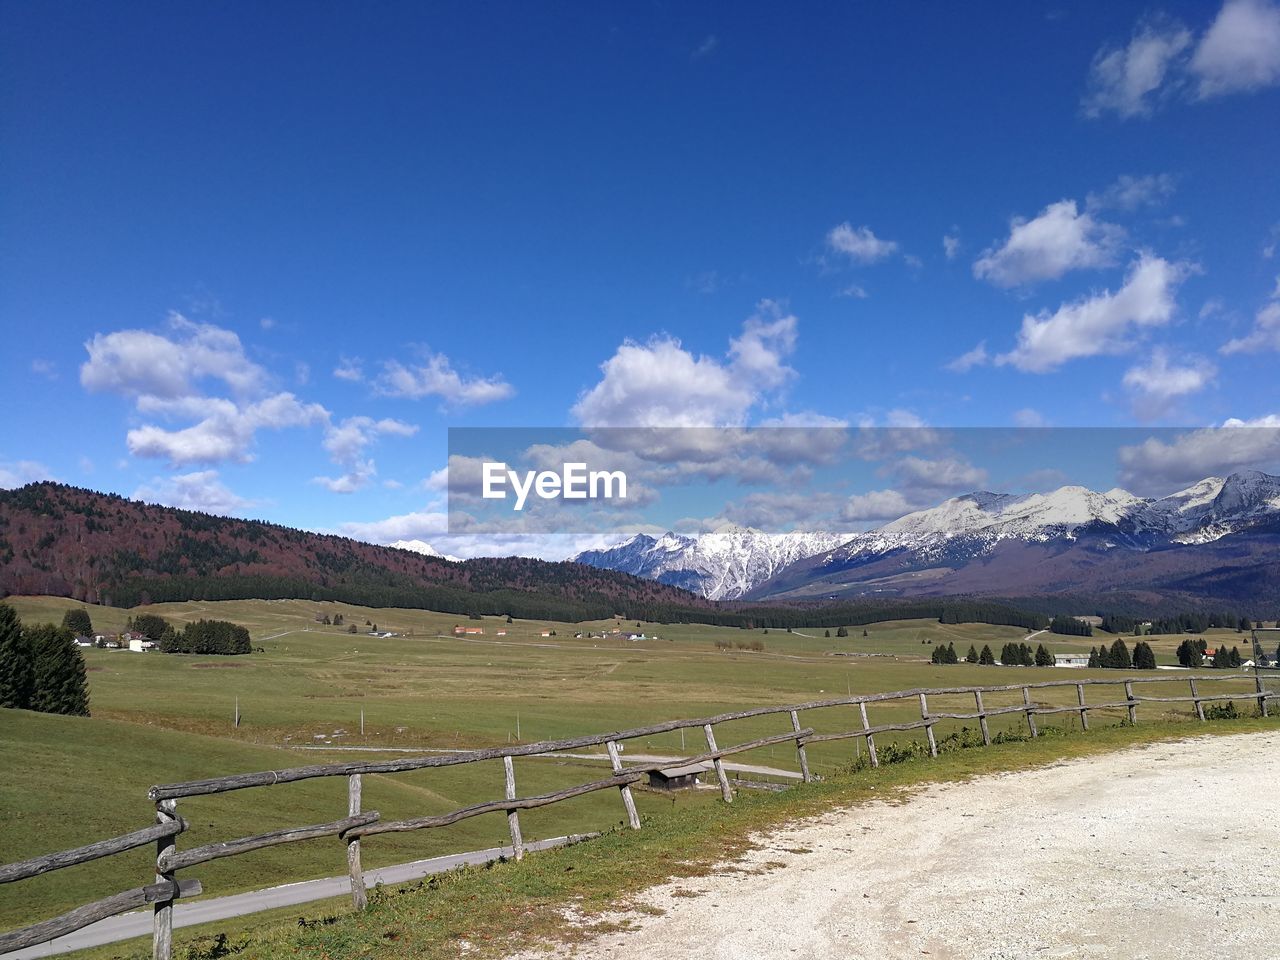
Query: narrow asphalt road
(129, 925)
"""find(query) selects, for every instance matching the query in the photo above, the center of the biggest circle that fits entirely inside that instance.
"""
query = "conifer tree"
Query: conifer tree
(78, 622)
(61, 683)
(1094, 661)
(972, 655)
(842, 632)
(1120, 659)
(826, 633)
(986, 657)
(1043, 657)
(17, 677)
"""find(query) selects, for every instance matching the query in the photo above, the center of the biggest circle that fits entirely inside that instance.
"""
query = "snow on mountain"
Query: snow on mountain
(422, 547)
(730, 563)
(721, 566)
(1205, 511)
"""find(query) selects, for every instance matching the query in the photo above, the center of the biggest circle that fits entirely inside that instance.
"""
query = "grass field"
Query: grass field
(159, 718)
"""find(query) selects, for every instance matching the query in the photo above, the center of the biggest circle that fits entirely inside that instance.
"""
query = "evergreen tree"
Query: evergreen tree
(1236, 660)
(1120, 658)
(17, 676)
(61, 683)
(864, 633)
(150, 625)
(986, 657)
(827, 634)
(951, 653)
(77, 621)
(937, 655)
(1144, 658)
(1043, 657)
(842, 632)
(1094, 661)
(972, 655)
(1027, 656)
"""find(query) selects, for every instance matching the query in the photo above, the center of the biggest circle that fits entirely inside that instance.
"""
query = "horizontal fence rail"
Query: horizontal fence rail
(359, 824)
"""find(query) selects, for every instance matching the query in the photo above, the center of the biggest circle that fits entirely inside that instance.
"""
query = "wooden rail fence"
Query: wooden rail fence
(360, 823)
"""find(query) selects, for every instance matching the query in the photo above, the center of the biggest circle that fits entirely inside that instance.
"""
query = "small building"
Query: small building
(678, 778)
(83, 641)
(460, 631)
(546, 633)
(1070, 659)
(140, 644)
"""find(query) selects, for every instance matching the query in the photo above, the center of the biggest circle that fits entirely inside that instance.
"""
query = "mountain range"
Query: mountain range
(1219, 538)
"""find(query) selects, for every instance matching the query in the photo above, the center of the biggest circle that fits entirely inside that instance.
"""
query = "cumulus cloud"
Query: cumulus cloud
(967, 361)
(18, 473)
(1103, 323)
(1133, 193)
(951, 246)
(1241, 50)
(141, 363)
(349, 369)
(346, 443)
(1126, 80)
(224, 431)
(202, 491)
(661, 384)
(418, 525)
(435, 377)
(1057, 241)
(1160, 381)
(1029, 418)
(1238, 52)
(1265, 334)
(878, 505)
(859, 244)
(1158, 465)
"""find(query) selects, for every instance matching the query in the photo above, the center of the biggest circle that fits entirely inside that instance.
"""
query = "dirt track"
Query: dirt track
(1171, 850)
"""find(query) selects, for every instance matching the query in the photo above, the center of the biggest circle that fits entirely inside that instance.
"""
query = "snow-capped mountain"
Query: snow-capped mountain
(987, 543)
(1070, 538)
(721, 566)
(422, 547)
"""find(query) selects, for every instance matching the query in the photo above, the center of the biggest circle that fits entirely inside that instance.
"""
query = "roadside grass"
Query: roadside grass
(572, 893)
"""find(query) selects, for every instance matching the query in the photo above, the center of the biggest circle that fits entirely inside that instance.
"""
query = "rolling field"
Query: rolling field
(159, 718)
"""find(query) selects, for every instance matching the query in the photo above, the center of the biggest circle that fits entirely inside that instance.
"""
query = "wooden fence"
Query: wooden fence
(360, 823)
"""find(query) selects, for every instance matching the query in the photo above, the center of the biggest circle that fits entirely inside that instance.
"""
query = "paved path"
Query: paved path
(129, 925)
(1162, 852)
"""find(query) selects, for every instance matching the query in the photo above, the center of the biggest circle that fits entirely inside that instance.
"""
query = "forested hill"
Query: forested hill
(102, 548)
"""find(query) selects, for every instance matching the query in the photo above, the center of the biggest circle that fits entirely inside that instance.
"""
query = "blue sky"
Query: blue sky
(258, 258)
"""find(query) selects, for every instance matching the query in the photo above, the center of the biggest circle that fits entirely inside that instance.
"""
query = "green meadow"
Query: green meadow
(318, 693)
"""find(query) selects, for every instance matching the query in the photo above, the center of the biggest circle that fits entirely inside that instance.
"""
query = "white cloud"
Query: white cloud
(437, 378)
(855, 291)
(140, 363)
(661, 384)
(859, 244)
(706, 47)
(418, 525)
(919, 475)
(1157, 465)
(1030, 418)
(876, 506)
(1159, 382)
(951, 246)
(18, 473)
(202, 491)
(225, 430)
(1241, 50)
(1060, 239)
(349, 369)
(1265, 334)
(44, 368)
(967, 361)
(346, 443)
(1133, 193)
(1126, 80)
(1103, 323)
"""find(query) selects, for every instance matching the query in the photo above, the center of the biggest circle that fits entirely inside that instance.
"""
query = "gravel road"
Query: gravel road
(1165, 851)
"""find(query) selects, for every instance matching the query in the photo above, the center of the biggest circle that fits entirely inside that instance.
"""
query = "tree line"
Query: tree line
(1118, 657)
(41, 667)
(200, 636)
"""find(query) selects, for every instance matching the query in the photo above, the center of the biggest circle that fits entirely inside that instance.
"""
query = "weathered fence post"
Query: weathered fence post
(359, 896)
(1262, 692)
(982, 718)
(1195, 698)
(1133, 706)
(1031, 712)
(869, 737)
(804, 759)
(162, 916)
(928, 727)
(1084, 711)
(725, 790)
(628, 800)
(513, 816)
